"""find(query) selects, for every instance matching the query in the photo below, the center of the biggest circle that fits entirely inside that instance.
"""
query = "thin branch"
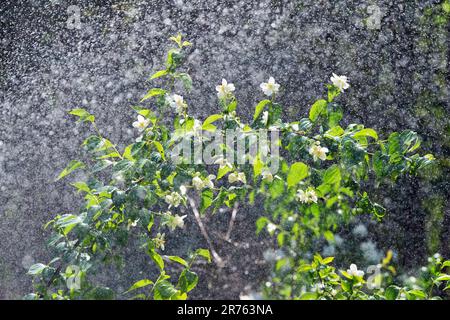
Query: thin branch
(232, 219)
(216, 257)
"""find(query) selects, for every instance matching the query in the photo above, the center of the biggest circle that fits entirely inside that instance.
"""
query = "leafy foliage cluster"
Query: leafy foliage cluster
(321, 185)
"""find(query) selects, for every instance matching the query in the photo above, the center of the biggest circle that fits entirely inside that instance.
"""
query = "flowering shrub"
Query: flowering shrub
(309, 188)
(320, 280)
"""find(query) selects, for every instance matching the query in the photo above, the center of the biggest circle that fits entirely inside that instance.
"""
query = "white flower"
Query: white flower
(177, 102)
(222, 162)
(178, 222)
(200, 183)
(271, 227)
(340, 82)
(132, 224)
(208, 182)
(173, 199)
(141, 123)
(270, 87)
(306, 196)
(267, 176)
(318, 152)
(237, 176)
(295, 127)
(224, 89)
(353, 271)
(265, 117)
(173, 222)
(183, 189)
(312, 196)
(160, 241)
(197, 182)
(302, 196)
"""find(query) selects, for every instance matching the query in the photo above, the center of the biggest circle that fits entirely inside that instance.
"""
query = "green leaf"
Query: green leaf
(81, 186)
(333, 92)
(207, 124)
(203, 253)
(223, 171)
(446, 6)
(206, 200)
(113, 154)
(316, 109)
(187, 281)
(160, 149)
(257, 166)
(67, 222)
(72, 166)
(140, 284)
(83, 115)
(417, 293)
(277, 188)
(159, 74)
(232, 106)
(127, 153)
(334, 132)
(366, 133)
(174, 57)
(261, 223)
(187, 80)
(334, 117)
(176, 39)
(101, 165)
(297, 172)
(346, 274)
(327, 260)
(443, 277)
(164, 290)
(392, 292)
(309, 296)
(153, 93)
(259, 108)
(179, 260)
(36, 269)
(304, 268)
(332, 175)
(329, 236)
(156, 258)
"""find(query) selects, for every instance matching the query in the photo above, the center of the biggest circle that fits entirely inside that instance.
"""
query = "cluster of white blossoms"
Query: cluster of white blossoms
(173, 221)
(225, 89)
(307, 196)
(270, 87)
(160, 240)
(173, 199)
(237, 176)
(318, 152)
(200, 183)
(340, 82)
(177, 102)
(141, 123)
(353, 271)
